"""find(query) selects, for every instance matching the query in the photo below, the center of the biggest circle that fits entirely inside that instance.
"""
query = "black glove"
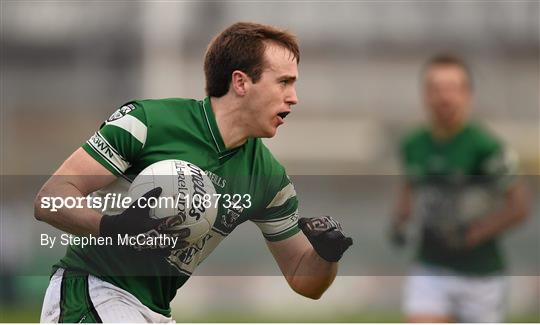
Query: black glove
(397, 236)
(326, 237)
(449, 237)
(136, 220)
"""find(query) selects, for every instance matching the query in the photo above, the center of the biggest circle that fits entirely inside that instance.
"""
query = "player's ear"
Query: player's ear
(239, 82)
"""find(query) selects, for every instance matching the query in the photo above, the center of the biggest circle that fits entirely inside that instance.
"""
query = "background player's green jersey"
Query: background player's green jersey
(454, 182)
(143, 132)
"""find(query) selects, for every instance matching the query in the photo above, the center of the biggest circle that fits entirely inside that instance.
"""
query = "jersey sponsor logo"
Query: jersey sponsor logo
(216, 179)
(121, 112)
(102, 146)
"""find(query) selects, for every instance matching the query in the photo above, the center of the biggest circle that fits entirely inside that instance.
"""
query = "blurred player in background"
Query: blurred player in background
(251, 70)
(461, 187)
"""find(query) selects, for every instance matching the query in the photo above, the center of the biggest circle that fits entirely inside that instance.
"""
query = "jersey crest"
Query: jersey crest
(121, 112)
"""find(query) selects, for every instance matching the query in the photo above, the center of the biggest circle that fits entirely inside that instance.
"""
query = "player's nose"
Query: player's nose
(292, 98)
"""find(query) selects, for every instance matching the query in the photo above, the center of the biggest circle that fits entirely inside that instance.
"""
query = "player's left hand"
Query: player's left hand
(326, 237)
(397, 236)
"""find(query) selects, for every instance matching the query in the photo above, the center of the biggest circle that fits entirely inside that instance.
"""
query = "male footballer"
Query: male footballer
(250, 71)
(461, 186)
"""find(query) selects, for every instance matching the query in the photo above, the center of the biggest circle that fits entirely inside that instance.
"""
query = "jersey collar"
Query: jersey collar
(464, 129)
(212, 125)
(214, 130)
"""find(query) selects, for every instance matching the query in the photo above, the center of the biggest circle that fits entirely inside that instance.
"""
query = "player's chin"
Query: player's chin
(268, 132)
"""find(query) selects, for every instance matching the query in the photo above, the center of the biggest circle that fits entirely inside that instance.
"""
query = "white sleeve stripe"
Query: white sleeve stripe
(280, 232)
(269, 220)
(279, 227)
(282, 196)
(102, 147)
(133, 126)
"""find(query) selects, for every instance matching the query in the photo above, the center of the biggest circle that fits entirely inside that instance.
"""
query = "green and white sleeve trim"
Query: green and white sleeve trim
(108, 154)
(279, 228)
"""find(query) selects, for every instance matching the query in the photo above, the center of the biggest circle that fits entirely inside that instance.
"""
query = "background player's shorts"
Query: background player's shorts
(80, 298)
(435, 291)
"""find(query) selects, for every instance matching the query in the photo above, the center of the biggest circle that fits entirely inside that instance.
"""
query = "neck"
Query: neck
(446, 132)
(230, 121)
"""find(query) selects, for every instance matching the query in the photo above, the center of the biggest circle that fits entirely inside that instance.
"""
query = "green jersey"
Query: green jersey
(143, 132)
(454, 182)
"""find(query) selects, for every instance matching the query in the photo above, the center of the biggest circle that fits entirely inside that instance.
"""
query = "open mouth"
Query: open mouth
(283, 114)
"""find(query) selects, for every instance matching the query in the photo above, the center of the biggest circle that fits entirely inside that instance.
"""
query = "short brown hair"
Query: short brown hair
(452, 60)
(241, 47)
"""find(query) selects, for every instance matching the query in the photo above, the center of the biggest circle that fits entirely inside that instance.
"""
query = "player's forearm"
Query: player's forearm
(77, 221)
(513, 213)
(492, 226)
(403, 207)
(313, 276)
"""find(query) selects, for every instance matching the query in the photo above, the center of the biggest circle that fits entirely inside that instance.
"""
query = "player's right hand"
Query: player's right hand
(136, 220)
